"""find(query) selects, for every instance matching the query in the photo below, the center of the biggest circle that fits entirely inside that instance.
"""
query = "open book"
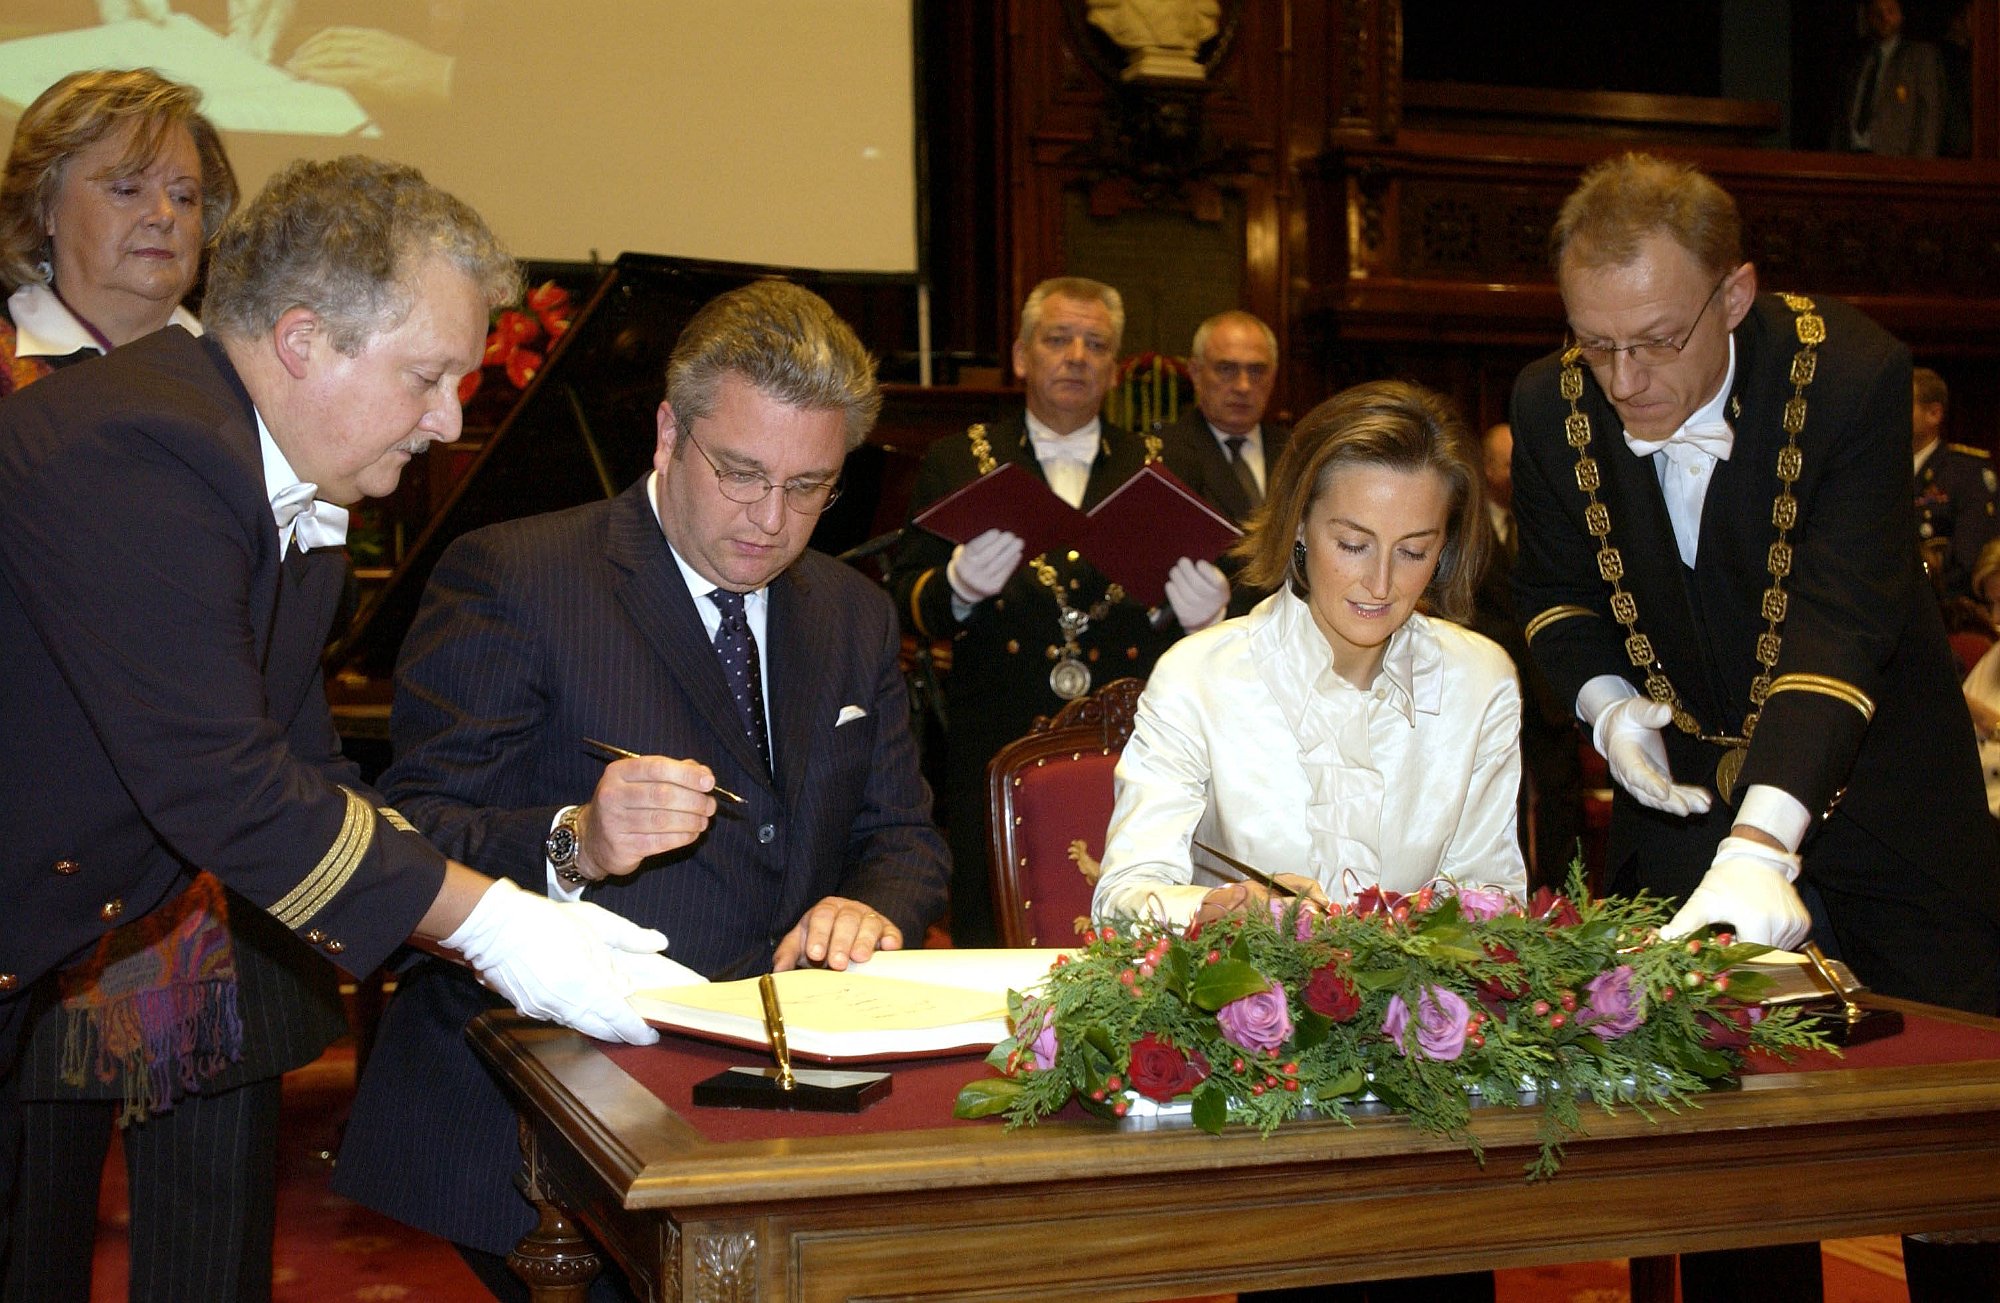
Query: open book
(900, 1004)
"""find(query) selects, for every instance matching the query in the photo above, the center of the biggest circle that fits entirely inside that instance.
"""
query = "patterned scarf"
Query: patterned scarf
(155, 1004)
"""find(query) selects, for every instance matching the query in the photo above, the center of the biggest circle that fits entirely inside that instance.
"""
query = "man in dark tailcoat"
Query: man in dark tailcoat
(686, 622)
(170, 517)
(1717, 566)
(1030, 633)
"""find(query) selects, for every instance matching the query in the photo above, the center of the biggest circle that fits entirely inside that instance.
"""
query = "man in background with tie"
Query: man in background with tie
(1029, 633)
(683, 621)
(1957, 491)
(1718, 568)
(1223, 447)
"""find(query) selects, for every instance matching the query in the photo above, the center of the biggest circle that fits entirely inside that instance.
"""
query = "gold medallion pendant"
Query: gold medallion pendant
(1727, 771)
(1069, 679)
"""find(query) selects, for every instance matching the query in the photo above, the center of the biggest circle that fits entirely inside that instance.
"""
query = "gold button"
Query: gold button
(334, 947)
(110, 910)
(9, 982)
(67, 867)
(1013, 646)
(314, 937)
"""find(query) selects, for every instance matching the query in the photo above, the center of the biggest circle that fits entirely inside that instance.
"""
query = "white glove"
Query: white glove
(981, 568)
(554, 960)
(1627, 734)
(1749, 886)
(1198, 592)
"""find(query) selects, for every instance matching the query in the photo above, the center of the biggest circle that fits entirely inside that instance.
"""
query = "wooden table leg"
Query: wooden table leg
(554, 1259)
(1653, 1279)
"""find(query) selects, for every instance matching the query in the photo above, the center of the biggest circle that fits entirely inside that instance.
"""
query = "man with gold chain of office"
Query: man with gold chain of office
(1029, 633)
(1717, 565)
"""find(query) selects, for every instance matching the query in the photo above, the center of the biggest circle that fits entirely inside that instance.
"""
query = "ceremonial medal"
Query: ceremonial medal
(1069, 679)
(1727, 770)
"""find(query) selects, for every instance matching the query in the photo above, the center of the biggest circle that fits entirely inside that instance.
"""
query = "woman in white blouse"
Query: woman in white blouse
(1335, 736)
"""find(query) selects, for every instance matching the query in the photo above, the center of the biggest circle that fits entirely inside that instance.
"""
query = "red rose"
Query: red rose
(497, 349)
(1159, 1071)
(1725, 1025)
(1331, 995)
(1376, 901)
(522, 365)
(1557, 909)
(1499, 986)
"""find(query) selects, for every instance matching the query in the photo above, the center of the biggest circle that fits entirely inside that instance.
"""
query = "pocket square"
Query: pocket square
(848, 714)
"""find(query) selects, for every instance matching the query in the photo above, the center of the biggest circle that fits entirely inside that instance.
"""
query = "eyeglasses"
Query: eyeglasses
(1647, 352)
(807, 497)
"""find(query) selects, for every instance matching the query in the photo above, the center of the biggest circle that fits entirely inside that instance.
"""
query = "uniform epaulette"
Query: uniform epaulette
(1969, 450)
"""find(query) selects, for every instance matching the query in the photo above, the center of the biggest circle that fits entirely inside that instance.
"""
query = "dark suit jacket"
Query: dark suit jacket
(1859, 614)
(538, 633)
(164, 706)
(1000, 661)
(1190, 451)
(1189, 448)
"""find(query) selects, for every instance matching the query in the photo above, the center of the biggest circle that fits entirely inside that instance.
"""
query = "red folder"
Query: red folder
(1147, 524)
(1134, 535)
(1009, 497)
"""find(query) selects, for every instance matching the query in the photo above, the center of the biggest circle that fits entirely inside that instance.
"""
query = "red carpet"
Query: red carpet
(330, 1251)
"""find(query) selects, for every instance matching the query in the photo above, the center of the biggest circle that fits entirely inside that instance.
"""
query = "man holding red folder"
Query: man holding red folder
(1029, 633)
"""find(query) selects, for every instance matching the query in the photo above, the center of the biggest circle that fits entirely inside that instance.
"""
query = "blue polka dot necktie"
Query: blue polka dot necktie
(737, 647)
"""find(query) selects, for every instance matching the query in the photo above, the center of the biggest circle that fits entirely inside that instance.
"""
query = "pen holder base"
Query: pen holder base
(1867, 1025)
(813, 1090)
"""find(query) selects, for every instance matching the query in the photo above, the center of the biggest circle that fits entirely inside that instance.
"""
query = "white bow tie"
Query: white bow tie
(1079, 448)
(1712, 437)
(314, 524)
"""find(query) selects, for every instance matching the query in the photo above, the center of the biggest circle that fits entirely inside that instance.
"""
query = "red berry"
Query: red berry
(1541, 1008)
(1119, 1108)
(1291, 1069)
(1569, 1001)
(1215, 956)
(1722, 981)
(1236, 1065)
(1476, 1041)
(1097, 1095)
(1257, 1089)
(1113, 1083)
(1291, 1085)
(1666, 993)
(1557, 1021)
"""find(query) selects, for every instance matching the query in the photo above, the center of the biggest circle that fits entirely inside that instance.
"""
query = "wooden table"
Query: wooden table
(905, 1203)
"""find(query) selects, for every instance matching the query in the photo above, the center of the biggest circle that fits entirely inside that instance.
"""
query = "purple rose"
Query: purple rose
(1441, 1023)
(1482, 903)
(1043, 1047)
(1302, 929)
(1256, 1022)
(1611, 1007)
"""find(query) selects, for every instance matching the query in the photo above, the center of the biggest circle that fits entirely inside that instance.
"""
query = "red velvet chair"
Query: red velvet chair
(1049, 798)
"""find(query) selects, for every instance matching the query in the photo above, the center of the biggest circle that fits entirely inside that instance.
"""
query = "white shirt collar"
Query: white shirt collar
(43, 327)
(1252, 438)
(299, 515)
(1918, 459)
(1079, 445)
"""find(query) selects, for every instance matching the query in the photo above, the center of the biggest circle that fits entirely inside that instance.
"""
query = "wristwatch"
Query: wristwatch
(564, 844)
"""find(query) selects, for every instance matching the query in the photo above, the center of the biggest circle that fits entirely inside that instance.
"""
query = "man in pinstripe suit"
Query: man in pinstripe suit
(660, 621)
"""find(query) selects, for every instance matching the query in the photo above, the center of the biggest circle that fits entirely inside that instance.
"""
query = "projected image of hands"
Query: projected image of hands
(305, 67)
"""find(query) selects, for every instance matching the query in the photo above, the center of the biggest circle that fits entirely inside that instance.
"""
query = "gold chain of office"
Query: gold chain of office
(1069, 676)
(1811, 329)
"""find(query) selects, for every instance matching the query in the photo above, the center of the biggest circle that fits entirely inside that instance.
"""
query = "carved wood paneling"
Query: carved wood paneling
(722, 1269)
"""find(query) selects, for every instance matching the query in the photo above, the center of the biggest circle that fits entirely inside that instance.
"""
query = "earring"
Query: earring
(1299, 554)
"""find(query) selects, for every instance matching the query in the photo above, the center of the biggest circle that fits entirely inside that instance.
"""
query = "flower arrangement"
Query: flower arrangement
(520, 338)
(1427, 1002)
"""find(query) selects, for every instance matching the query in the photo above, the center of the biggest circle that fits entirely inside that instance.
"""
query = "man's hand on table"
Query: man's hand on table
(835, 933)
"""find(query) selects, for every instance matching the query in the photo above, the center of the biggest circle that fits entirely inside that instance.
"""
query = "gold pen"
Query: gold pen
(774, 1024)
(606, 751)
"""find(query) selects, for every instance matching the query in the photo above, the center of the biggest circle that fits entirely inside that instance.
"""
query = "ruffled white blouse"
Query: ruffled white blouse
(1247, 740)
